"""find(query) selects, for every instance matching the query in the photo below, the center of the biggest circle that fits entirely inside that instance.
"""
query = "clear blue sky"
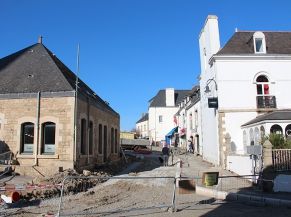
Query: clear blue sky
(130, 49)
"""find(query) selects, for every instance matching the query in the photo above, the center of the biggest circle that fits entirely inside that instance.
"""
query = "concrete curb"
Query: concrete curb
(244, 198)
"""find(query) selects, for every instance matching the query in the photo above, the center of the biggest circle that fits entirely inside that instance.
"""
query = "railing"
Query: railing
(266, 102)
(281, 159)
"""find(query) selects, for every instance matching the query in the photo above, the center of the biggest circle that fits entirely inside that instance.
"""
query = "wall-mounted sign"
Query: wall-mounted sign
(210, 178)
(213, 102)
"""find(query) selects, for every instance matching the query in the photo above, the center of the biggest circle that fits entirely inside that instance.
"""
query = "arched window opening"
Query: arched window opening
(83, 136)
(257, 138)
(245, 140)
(262, 85)
(277, 129)
(100, 143)
(27, 138)
(288, 131)
(91, 141)
(116, 138)
(48, 137)
(263, 133)
(259, 42)
(252, 139)
(112, 140)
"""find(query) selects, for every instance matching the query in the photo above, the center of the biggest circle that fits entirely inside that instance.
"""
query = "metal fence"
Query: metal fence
(281, 159)
(5, 158)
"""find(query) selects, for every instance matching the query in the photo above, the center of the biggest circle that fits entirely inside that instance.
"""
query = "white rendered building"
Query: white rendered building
(161, 112)
(142, 126)
(188, 119)
(246, 78)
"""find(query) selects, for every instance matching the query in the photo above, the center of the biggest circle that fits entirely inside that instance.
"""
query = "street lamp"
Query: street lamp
(212, 101)
(207, 89)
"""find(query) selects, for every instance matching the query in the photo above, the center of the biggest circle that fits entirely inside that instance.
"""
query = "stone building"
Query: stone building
(45, 123)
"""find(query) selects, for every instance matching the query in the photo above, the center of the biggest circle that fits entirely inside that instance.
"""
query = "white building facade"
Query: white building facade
(189, 121)
(161, 112)
(248, 77)
(142, 126)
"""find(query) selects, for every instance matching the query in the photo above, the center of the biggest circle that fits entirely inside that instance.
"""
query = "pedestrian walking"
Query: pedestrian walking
(166, 153)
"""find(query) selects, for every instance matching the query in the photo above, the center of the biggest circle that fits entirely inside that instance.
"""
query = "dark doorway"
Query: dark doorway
(197, 144)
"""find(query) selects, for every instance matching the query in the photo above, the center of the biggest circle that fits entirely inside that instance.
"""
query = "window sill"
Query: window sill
(48, 156)
(86, 156)
(25, 156)
(30, 156)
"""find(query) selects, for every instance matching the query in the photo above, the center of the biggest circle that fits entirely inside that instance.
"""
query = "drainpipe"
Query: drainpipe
(37, 129)
(88, 129)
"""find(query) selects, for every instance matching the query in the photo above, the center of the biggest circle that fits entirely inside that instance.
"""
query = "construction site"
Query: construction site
(139, 185)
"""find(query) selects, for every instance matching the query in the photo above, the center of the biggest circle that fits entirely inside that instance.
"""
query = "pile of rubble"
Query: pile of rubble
(77, 182)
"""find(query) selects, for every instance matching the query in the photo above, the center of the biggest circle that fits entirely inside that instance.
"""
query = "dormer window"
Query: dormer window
(259, 42)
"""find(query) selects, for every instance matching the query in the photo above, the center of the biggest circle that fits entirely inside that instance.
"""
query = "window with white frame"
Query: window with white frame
(259, 42)
(263, 85)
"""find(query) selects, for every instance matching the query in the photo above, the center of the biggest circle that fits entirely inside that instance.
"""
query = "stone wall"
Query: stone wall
(97, 114)
(59, 110)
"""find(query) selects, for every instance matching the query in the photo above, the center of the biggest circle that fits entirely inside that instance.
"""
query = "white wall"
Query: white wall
(157, 130)
(236, 86)
(209, 44)
(233, 122)
(241, 165)
(143, 128)
(196, 124)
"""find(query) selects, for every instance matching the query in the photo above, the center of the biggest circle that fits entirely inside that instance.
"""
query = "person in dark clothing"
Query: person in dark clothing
(166, 153)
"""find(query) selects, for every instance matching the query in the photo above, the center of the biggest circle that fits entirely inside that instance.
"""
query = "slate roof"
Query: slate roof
(143, 118)
(160, 99)
(242, 43)
(35, 69)
(272, 116)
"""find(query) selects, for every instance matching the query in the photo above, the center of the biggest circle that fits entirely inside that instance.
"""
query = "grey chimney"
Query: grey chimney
(40, 39)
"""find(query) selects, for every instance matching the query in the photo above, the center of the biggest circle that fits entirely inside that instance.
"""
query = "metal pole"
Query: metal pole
(37, 129)
(174, 196)
(62, 194)
(76, 104)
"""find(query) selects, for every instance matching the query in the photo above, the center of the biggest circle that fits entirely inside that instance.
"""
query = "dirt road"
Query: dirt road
(124, 196)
